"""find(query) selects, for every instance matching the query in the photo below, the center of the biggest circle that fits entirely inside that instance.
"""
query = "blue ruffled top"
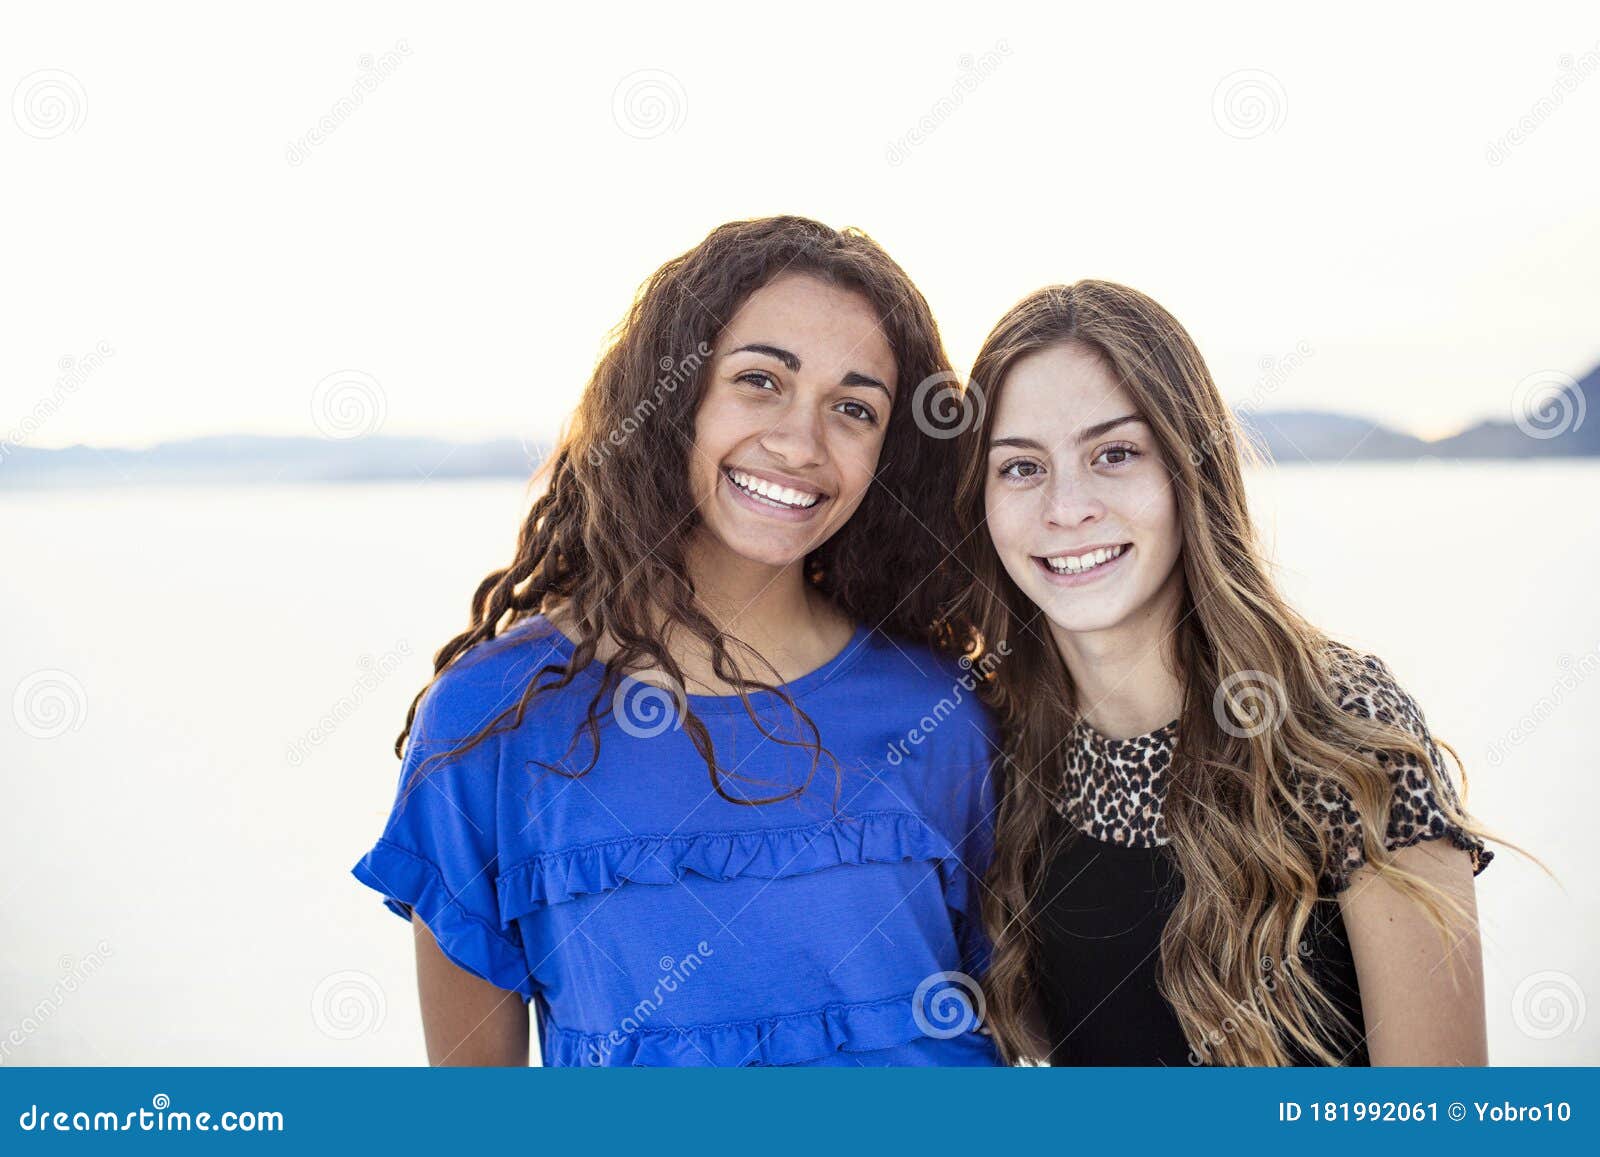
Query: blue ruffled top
(653, 922)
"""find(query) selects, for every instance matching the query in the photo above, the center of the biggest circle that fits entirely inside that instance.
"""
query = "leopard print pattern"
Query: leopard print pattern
(1112, 788)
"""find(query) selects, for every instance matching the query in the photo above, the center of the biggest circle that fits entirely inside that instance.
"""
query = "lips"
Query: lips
(1086, 565)
(1085, 559)
(786, 500)
(773, 491)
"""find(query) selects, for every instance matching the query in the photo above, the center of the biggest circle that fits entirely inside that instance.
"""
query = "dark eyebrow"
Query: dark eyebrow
(1099, 428)
(1084, 434)
(771, 351)
(793, 363)
(855, 379)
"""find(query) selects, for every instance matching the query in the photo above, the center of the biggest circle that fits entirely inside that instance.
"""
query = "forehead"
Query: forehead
(831, 329)
(1054, 392)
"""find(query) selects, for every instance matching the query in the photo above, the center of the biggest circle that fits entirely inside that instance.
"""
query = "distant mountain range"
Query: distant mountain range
(1559, 426)
(1556, 424)
(236, 458)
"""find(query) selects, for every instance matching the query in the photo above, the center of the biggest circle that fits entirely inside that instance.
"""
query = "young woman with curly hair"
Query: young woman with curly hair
(610, 805)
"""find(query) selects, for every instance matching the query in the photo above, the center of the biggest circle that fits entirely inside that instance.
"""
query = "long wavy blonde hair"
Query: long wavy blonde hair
(1240, 825)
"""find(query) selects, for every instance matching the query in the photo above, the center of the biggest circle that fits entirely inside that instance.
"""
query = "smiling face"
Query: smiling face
(791, 421)
(1080, 507)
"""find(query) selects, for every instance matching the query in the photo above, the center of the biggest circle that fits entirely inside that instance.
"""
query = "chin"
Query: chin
(1076, 612)
(1082, 620)
(747, 548)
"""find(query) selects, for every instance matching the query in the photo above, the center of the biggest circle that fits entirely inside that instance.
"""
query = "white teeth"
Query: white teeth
(1077, 564)
(772, 492)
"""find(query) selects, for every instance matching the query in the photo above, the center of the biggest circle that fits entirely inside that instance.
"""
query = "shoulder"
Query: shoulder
(1364, 686)
(1423, 803)
(914, 683)
(487, 679)
(937, 737)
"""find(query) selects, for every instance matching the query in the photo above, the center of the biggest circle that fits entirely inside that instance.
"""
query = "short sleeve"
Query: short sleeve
(972, 834)
(976, 852)
(1364, 686)
(438, 852)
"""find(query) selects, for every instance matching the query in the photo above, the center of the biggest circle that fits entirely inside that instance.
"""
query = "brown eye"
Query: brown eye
(1020, 468)
(1117, 455)
(858, 411)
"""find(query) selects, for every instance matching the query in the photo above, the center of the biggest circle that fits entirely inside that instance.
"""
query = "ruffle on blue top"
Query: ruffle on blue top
(408, 881)
(792, 1039)
(528, 880)
(880, 837)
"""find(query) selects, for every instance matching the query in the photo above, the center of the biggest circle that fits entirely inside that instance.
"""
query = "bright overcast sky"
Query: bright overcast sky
(1341, 183)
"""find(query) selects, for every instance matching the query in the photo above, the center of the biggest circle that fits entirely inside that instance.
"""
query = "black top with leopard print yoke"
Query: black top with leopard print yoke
(1108, 893)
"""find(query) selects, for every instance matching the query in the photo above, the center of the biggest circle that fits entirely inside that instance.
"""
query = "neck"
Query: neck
(1126, 676)
(771, 609)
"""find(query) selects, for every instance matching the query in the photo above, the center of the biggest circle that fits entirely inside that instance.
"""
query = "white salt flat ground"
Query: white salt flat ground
(193, 881)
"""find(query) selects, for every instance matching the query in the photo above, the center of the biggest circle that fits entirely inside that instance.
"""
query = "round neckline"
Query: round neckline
(813, 680)
(1134, 851)
(1099, 739)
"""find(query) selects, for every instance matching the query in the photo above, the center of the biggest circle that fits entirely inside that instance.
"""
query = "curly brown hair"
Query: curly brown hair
(605, 539)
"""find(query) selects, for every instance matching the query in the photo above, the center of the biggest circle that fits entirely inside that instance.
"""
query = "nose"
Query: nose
(1071, 502)
(797, 438)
